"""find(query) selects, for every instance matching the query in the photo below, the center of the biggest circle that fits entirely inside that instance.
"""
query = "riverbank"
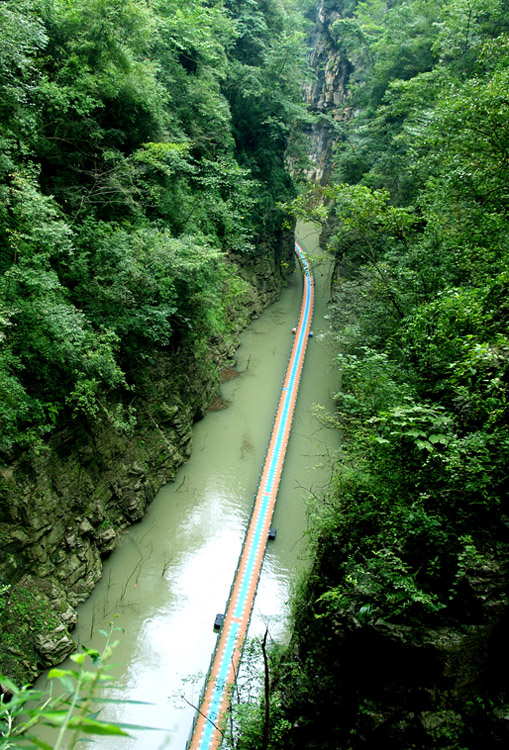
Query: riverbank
(64, 508)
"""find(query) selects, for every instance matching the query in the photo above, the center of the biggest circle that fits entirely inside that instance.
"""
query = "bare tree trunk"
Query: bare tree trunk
(266, 719)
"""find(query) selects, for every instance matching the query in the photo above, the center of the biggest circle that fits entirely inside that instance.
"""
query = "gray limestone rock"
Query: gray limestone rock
(54, 647)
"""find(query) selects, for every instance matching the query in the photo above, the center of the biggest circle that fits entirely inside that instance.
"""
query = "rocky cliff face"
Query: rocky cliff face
(62, 511)
(326, 93)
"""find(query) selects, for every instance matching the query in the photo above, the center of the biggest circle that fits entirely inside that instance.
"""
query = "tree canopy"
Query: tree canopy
(141, 145)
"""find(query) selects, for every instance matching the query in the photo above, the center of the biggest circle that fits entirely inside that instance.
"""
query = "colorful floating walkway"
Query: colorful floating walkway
(207, 733)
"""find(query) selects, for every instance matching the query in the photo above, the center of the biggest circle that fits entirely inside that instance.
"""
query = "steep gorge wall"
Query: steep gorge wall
(62, 511)
(326, 93)
(361, 682)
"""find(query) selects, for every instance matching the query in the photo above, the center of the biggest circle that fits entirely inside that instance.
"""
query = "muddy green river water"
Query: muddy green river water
(171, 573)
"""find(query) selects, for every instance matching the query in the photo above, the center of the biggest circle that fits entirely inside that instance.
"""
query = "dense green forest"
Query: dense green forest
(141, 145)
(401, 630)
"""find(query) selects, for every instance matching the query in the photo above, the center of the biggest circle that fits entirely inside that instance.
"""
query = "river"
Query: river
(171, 573)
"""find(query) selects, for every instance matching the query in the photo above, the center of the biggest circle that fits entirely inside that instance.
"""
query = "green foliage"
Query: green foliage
(385, 585)
(24, 611)
(423, 367)
(370, 382)
(264, 90)
(414, 524)
(66, 707)
(141, 147)
(254, 726)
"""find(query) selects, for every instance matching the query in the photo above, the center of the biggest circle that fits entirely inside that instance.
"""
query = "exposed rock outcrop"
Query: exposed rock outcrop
(326, 93)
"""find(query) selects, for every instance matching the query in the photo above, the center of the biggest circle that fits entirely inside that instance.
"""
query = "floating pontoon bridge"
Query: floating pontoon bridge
(207, 732)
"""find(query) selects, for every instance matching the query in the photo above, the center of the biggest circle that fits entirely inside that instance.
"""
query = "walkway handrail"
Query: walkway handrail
(207, 732)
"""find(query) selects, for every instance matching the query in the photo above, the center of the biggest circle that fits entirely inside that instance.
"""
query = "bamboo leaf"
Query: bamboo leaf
(39, 743)
(58, 673)
(90, 726)
(78, 658)
(144, 728)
